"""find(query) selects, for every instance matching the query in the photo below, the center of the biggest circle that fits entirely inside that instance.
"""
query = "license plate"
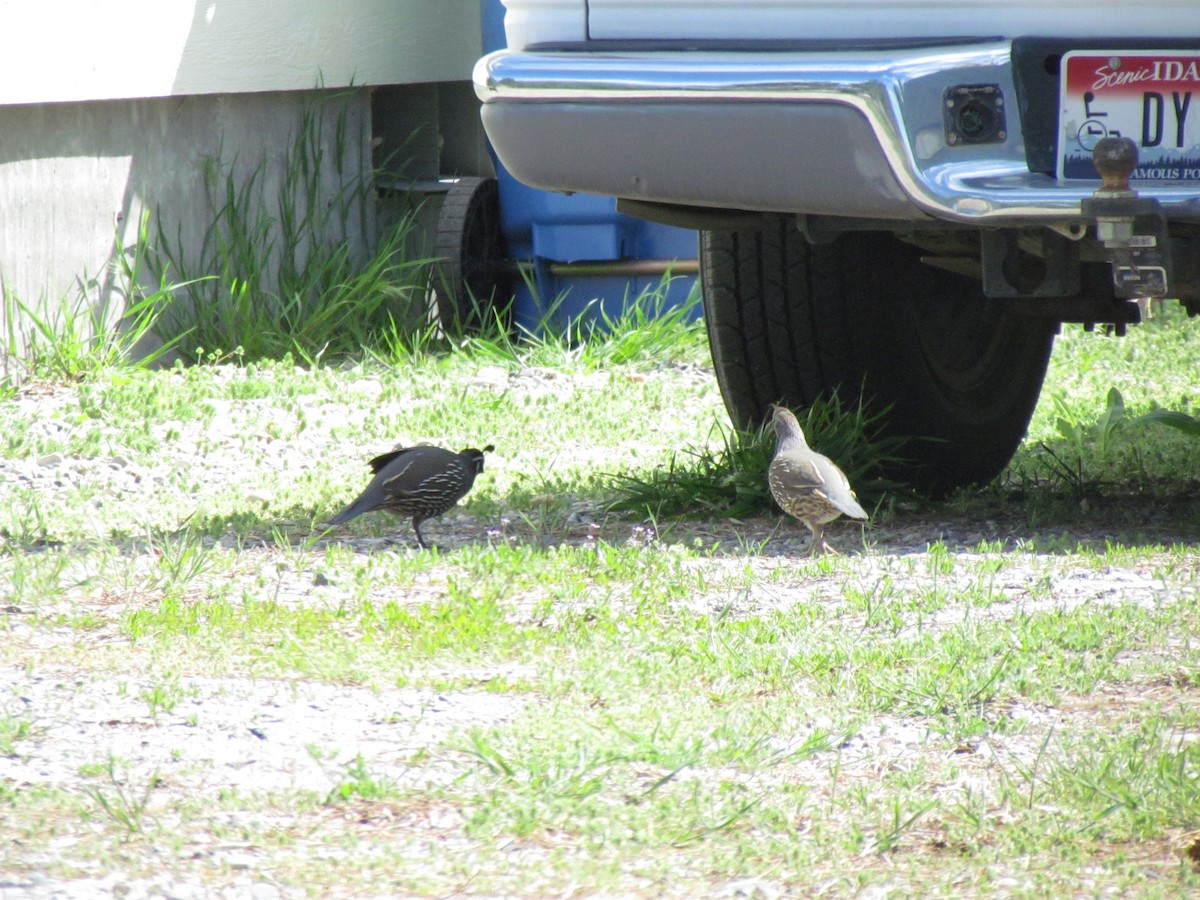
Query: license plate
(1152, 97)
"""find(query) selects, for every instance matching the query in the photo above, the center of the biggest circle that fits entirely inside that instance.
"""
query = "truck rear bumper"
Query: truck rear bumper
(858, 133)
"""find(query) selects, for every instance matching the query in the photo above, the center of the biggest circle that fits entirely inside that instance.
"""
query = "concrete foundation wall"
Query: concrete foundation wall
(94, 138)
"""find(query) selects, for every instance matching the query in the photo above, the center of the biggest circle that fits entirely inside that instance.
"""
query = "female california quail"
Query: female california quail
(421, 482)
(806, 484)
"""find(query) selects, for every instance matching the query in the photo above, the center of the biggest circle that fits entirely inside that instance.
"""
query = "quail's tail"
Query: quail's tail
(363, 504)
(852, 509)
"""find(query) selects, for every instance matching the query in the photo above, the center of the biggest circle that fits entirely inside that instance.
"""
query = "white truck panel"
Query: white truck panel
(529, 22)
(818, 19)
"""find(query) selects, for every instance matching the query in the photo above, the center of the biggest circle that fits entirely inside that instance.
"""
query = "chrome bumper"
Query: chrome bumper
(899, 93)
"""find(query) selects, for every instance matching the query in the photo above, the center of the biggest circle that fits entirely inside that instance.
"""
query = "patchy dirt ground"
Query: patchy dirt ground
(216, 736)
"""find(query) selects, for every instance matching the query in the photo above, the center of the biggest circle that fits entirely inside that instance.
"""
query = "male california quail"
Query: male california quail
(806, 484)
(421, 482)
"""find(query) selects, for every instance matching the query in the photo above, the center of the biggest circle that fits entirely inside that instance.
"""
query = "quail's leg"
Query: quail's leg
(417, 528)
(818, 545)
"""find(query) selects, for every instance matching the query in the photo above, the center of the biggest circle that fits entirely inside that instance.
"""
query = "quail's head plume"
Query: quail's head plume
(806, 484)
(420, 482)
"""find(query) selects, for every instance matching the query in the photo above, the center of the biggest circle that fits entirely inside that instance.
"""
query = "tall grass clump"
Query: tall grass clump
(1104, 427)
(110, 322)
(650, 328)
(731, 480)
(290, 268)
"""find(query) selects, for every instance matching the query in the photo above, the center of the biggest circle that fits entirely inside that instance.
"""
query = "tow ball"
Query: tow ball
(1131, 229)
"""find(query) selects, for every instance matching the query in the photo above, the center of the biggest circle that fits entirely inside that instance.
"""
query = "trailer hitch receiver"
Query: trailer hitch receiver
(1131, 229)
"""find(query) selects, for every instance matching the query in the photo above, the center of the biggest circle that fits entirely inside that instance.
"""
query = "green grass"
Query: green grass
(994, 695)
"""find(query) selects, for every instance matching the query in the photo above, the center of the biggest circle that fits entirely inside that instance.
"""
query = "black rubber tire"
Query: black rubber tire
(472, 276)
(788, 321)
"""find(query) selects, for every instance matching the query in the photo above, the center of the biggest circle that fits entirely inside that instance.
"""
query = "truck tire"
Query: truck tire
(789, 321)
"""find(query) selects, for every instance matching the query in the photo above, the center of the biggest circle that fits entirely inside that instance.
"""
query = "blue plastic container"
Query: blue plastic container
(556, 237)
